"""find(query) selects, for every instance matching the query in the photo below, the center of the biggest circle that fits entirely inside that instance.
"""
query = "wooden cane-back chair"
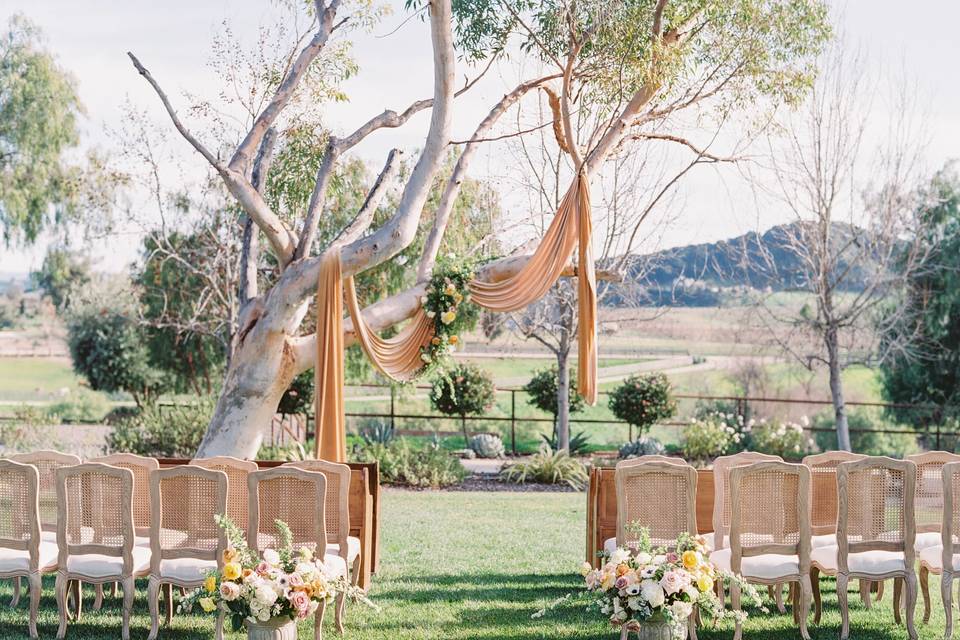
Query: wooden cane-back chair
(24, 554)
(185, 540)
(95, 533)
(944, 559)
(658, 495)
(141, 467)
(47, 462)
(722, 512)
(770, 531)
(629, 462)
(928, 504)
(337, 506)
(237, 471)
(823, 493)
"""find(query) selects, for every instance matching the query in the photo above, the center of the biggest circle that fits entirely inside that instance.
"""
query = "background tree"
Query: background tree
(38, 126)
(466, 390)
(649, 59)
(929, 373)
(543, 389)
(62, 270)
(857, 234)
(643, 401)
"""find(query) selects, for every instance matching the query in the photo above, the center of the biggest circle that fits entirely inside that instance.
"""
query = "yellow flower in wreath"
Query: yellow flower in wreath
(704, 583)
(207, 604)
(690, 559)
(210, 584)
(231, 571)
(448, 316)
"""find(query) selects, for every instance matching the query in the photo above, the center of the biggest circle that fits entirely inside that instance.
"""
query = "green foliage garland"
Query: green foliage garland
(447, 302)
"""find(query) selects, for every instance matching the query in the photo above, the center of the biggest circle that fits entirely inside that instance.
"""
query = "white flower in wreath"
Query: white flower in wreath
(270, 556)
(652, 593)
(265, 594)
(648, 571)
(643, 558)
(619, 555)
(681, 610)
(633, 589)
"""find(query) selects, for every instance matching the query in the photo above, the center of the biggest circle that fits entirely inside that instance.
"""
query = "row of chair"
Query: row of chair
(840, 514)
(113, 519)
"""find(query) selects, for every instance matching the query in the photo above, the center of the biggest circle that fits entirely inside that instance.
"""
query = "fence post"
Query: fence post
(513, 421)
(938, 436)
(393, 413)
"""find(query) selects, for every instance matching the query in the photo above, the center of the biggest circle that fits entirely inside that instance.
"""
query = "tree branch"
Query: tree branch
(365, 216)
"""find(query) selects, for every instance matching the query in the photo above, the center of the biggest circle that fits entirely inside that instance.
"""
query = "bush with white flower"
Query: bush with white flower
(279, 583)
(786, 439)
(712, 435)
(646, 584)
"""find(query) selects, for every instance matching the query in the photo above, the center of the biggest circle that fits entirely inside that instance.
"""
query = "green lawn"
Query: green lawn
(473, 566)
(35, 378)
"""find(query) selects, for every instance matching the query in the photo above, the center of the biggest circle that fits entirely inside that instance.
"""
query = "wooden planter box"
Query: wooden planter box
(364, 509)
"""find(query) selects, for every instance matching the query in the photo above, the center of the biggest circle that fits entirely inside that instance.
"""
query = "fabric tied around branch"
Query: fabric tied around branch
(399, 357)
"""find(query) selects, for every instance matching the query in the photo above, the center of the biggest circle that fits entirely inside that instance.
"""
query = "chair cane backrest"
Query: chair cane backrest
(337, 503)
(237, 471)
(722, 513)
(47, 462)
(823, 489)
(294, 496)
(185, 501)
(950, 525)
(928, 504)
(19, 509)
(95, 512)
(661, 496)
(141, 467)
(876, 511)
(770, 509)
(629, 462)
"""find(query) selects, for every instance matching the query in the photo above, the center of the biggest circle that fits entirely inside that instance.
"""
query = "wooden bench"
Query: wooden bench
(364, 509)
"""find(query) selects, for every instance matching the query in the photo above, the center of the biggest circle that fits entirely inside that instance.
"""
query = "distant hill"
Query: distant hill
(709, 273)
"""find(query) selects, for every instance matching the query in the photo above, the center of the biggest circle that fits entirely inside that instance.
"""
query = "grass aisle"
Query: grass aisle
(472, 566)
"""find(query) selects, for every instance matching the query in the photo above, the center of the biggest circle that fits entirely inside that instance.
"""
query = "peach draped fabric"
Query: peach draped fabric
(399, 357)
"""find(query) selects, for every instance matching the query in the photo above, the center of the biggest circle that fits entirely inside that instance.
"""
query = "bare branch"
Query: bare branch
(365, 216)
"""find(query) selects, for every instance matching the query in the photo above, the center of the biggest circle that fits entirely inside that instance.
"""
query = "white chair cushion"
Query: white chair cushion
(186, 569)
(768, 565)
(16, 560)
(95, 565)
(353, 548)
(868, 562)
(335, 565)
(709, 538)
(825, 540)
(927, 539)
(933, 558)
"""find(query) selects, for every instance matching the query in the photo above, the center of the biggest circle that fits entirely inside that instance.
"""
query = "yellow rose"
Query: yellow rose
(210, 584)
(690, 559)
(448, 316)
(207, 604)
(453, 339)
(450, 290)
(435, 341)
(704, 583)
(231, 571)
(229, 554)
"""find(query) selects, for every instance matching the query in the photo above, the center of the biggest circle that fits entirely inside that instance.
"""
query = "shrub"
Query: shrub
(542, 389)
(709, 437)
(548, 467)
(643, 400)
(864, 438)
(486, 445)
(173, 432)
(30, 429)
(401, 464)
(642, 446)
(82, 405)
(785, 439)
(465, 390)
(578, 441)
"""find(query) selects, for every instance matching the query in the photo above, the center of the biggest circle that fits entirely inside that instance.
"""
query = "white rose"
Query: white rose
(643, 558)
(619, 555)
(681, 610)
(265, 594)
(271, 557)
(652, 593)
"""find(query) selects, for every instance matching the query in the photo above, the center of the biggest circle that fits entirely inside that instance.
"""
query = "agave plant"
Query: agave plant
(377, 432)
(578, 441)
(486, 445)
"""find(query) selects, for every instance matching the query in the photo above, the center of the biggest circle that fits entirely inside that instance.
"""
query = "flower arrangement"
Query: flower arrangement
(279, 583)
(447, 302)
(647, 584)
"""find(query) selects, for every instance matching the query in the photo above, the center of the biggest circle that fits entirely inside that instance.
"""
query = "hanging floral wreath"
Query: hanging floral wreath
(447, 302)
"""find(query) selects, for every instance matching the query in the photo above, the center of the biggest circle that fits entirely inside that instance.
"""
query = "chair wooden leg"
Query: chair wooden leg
(153, 603)
(865, 593)
(218, 629)
(804, 596)
(168, 596)
(815, 585)
(794, 595)
(16, 592)
(946, 592)
(842, 585)
(692, 626)
(77, 590)
(35, 586)
(735, 606)
(341, 609)
(911, 602)
(128, 586)
(318, 621)
(61, 590)
(879, 590)
(778, 597)
(925, 591)
(897, 592)
(97, 597)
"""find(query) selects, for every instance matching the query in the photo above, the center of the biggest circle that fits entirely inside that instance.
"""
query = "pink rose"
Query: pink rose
(295, 580)
(621, 583)
(229, 591)
(672, 558)
(674, 581)
(300, 603)
(262, 568)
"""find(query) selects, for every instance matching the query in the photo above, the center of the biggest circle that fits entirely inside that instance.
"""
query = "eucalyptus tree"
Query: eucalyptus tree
(647, 59)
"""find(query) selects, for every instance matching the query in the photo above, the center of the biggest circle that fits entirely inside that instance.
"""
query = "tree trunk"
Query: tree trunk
(563, 401)
(836, 390)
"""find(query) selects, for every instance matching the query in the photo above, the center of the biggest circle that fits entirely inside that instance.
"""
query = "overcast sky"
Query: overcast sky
(172, 38)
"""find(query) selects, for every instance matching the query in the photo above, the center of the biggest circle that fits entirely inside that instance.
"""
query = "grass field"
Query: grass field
(23, 379)
(473, 566)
